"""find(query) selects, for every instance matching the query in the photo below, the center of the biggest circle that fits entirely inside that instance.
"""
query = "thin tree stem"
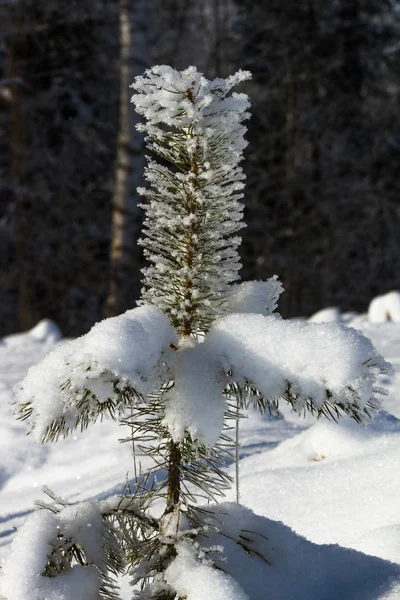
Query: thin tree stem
(134, 461)
(237, 448)
(174, 473)
(175, 456)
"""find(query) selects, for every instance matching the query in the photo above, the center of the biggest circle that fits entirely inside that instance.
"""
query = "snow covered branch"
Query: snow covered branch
(102, 372)
(325, 368)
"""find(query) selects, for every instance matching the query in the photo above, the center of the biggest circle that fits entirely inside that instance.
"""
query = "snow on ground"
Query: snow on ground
(329, 483)
(385, 308)
(333, 483)
(83, 466)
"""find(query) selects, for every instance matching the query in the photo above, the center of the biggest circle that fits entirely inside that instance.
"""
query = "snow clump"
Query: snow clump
(385, 308)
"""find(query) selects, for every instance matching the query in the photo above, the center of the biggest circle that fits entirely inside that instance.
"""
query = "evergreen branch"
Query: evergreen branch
(87, 408)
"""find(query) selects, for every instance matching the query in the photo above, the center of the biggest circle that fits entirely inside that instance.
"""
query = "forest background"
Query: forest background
(323, 186)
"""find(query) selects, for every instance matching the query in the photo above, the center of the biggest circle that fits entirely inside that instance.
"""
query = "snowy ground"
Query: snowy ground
(329, 483)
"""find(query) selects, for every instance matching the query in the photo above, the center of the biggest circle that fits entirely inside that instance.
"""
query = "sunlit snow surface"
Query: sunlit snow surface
(331, 484)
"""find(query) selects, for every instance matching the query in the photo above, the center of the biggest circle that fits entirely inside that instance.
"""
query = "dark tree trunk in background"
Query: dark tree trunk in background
(125, 255)
(20, 48)
(352, 42)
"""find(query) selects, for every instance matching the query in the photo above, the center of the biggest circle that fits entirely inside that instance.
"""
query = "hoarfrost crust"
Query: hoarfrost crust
(163, 97)
(260, 297)
(194, 208)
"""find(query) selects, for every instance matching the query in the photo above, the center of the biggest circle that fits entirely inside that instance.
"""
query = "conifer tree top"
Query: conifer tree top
(187, 98)
(196, 126)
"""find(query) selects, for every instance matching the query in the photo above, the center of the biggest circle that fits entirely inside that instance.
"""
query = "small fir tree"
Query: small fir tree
(176, 368)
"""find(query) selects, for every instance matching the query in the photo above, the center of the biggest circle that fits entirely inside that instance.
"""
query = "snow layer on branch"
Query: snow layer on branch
(121, 352)
(22, 570)
(310, 365)
(195, 579)
(195, 403)
(83, 523)
(312, 361)
(259, 297)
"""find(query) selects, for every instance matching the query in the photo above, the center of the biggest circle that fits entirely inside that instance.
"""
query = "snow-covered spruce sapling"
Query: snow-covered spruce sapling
(173, 369)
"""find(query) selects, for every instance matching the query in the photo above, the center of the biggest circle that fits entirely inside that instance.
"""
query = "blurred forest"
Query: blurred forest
(323, 193)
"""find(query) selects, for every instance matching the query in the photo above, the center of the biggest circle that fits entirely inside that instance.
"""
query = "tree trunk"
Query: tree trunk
(18, 53)
(124, 278)
(352, 42)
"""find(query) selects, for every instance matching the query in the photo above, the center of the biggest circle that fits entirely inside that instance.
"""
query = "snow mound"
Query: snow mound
(324, 441)
(269, 560)
(385, 308)
(46, 331)
(326, 315)
(383, 542)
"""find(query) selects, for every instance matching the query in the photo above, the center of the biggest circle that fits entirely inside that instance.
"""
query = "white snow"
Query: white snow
(319, 362)
(82, 522)
(326, 315)
(259, 297)
(21, 573)
(196, 402)
(327, 483)
(291, 567)
(46, 330)
(196, 580)
(309, 357)
(123, 350)
(385, 308)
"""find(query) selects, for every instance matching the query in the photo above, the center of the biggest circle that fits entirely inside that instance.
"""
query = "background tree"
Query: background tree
(319, 68)
(124, 278)
(62, 155)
